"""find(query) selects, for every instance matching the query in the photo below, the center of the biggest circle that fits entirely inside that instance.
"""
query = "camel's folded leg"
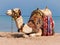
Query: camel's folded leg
(25, 36)
(36, 34)
(26, 29)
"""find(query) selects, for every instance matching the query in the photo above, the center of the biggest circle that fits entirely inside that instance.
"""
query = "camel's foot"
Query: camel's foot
(32, 35)
(25, 36)
(35, 35)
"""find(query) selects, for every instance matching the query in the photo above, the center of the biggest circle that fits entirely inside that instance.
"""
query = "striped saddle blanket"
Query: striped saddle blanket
(47, 26)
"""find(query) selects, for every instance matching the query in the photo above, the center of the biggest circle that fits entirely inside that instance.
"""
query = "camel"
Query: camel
(36, 24)
(32, 27)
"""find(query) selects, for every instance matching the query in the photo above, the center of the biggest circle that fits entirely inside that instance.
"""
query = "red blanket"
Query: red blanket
(48, 25)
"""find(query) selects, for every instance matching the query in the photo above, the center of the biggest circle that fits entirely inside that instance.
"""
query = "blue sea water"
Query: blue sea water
(8, 25)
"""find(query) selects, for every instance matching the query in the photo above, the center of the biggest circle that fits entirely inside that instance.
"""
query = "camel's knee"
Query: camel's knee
(18, 30)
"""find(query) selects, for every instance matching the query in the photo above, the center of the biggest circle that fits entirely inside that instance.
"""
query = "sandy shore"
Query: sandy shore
(7, 38)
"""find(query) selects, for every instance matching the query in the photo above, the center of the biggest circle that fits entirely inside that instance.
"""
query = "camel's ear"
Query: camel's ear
(19, 12)
(12, 10)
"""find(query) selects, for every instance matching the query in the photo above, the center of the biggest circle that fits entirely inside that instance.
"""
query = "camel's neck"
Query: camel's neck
(19, 22)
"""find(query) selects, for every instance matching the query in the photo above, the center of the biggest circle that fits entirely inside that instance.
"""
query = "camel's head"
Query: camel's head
(17, 11)
(14, 13)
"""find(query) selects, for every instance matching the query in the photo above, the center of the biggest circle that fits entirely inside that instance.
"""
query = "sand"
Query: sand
(7, 38)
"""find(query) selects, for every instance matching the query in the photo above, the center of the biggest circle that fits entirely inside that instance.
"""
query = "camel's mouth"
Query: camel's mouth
(9, 12)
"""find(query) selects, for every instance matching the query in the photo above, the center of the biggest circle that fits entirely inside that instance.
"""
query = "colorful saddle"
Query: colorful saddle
(48, 23)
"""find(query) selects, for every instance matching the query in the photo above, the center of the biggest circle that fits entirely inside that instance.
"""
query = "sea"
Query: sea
(7, 24)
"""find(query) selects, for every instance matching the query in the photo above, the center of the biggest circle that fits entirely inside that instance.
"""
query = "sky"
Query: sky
(27, 6)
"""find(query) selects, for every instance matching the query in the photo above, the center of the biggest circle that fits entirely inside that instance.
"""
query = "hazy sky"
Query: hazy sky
(27, 6)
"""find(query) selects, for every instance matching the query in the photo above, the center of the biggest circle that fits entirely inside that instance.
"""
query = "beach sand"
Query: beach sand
(7, 38)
